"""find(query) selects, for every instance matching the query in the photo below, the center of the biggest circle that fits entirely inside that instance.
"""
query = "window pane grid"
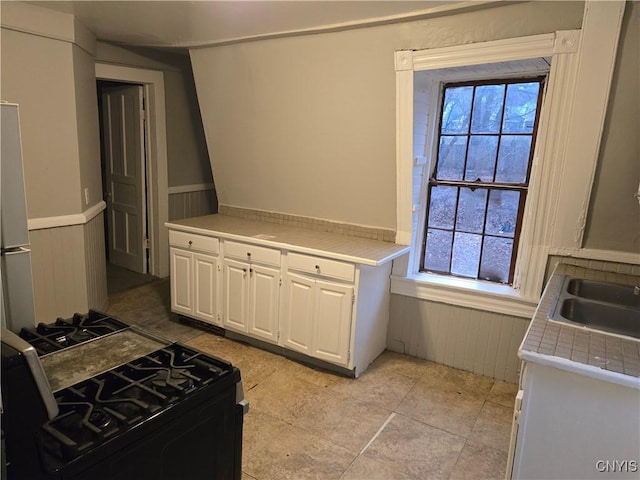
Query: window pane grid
(476, 194)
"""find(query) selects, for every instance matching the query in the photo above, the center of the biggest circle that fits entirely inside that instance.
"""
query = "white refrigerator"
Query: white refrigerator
(18, 306)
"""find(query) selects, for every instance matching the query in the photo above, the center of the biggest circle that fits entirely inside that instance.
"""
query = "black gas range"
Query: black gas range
(104, 400)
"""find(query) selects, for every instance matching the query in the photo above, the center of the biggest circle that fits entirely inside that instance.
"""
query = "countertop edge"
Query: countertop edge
(590, 371)
(402, 249)
(552, 359)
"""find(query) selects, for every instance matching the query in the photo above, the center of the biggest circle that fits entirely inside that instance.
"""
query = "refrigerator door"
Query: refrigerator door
(15, 232)
(17, 290)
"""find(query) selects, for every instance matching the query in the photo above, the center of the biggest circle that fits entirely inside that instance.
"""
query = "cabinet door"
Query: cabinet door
(181, 281)
(332, 322)
(205, 268)
(236, 295)
(297, 318)
(264, 285)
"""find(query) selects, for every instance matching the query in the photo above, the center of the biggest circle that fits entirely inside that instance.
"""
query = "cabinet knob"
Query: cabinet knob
(190, 243)
(318, 268)
(249, 254)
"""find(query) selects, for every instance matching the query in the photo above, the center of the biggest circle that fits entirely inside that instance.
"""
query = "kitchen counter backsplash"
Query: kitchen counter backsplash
(382, 234)
(587, 347)
(293, 238)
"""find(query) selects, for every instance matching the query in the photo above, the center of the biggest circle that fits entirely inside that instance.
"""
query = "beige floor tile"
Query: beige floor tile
(444, 407)
(397, 363)
(493, 426)
(317, 376)
(416, 450)
(347, 421)
(441, 375)
(275, 450)
(282, 396)
(156, 293)
(370, 468)
(158, 321)
(376, 386)
(503, 393)
(479, 462)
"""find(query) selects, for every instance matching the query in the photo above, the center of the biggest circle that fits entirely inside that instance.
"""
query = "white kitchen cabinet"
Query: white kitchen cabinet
(194, 276)
(313, 296)
(317, 314)
(568, 426)
(251, 282)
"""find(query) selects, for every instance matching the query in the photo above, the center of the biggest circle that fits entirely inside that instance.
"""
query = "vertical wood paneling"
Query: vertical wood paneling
(192, 204)
(96, 266)
(59, 274)
(481, 342)
(491, 357)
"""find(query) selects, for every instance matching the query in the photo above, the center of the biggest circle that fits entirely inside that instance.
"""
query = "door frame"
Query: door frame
(152, 82)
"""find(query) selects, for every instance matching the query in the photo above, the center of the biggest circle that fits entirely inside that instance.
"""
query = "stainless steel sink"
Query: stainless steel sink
(602, 306)
(605, 292)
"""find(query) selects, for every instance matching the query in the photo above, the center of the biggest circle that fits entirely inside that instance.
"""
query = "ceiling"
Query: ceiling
(200, 23)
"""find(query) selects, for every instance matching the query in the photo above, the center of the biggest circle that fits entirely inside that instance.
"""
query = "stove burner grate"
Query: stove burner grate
(101, 407)
(66, 333)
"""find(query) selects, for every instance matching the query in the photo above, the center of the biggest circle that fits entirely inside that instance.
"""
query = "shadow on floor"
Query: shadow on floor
(120, 279)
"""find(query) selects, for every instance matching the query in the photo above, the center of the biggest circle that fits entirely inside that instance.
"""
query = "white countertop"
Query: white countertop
(295, 239)
(579, 350)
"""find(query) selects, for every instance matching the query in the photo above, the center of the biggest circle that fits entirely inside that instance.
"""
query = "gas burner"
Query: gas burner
(100, 418)
(168, 381)
(66, 333)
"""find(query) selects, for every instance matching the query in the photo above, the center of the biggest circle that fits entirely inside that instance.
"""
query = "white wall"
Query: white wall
(614, 214)
(47, 68)
(37, 73)
(306, 125)
(187, 156)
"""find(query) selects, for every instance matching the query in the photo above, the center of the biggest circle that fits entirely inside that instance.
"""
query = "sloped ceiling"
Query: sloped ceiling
(188, 24)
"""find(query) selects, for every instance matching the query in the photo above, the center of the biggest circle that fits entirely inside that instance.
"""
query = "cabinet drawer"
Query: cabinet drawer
(321, 266)
(252, 253)
(194, 242)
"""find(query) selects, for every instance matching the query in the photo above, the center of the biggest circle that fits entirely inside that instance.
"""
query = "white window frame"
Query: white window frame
(564, 160)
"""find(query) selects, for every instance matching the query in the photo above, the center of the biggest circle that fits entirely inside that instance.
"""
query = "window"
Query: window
(561, 173)
(478, 188)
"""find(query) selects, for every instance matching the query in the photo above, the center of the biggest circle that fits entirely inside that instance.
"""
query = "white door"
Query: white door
(181, 278)
(123, 125)
(297, 317)
(236, 295)
(205, 269)
(263, 309)
(332, 322)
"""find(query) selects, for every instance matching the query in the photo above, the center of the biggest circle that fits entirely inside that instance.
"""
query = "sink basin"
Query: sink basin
(602, 306)
(602, 316)
(604, 292)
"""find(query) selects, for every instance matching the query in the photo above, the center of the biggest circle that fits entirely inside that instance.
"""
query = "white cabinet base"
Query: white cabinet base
(573, 426)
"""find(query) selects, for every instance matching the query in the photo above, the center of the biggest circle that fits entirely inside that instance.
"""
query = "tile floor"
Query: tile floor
(404, 418)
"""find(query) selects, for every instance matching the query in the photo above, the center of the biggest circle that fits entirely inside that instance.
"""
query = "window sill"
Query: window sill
(465, 293)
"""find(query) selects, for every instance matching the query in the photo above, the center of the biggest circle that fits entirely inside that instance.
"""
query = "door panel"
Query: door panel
(204, 302)
(298, 315)
(123, 126)
(236, 291)
(264, 283)
(332, 326)
(181, 275)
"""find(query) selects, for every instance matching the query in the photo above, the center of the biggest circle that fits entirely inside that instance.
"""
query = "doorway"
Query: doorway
(123, 153)
(152, 82)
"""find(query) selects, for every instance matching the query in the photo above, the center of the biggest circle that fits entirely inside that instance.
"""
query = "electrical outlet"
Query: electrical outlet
(86, 195)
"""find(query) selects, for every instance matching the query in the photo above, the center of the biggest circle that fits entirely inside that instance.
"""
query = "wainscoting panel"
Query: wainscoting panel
(192, 204)
(59, 273)
(481, 342)
(96, 265)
